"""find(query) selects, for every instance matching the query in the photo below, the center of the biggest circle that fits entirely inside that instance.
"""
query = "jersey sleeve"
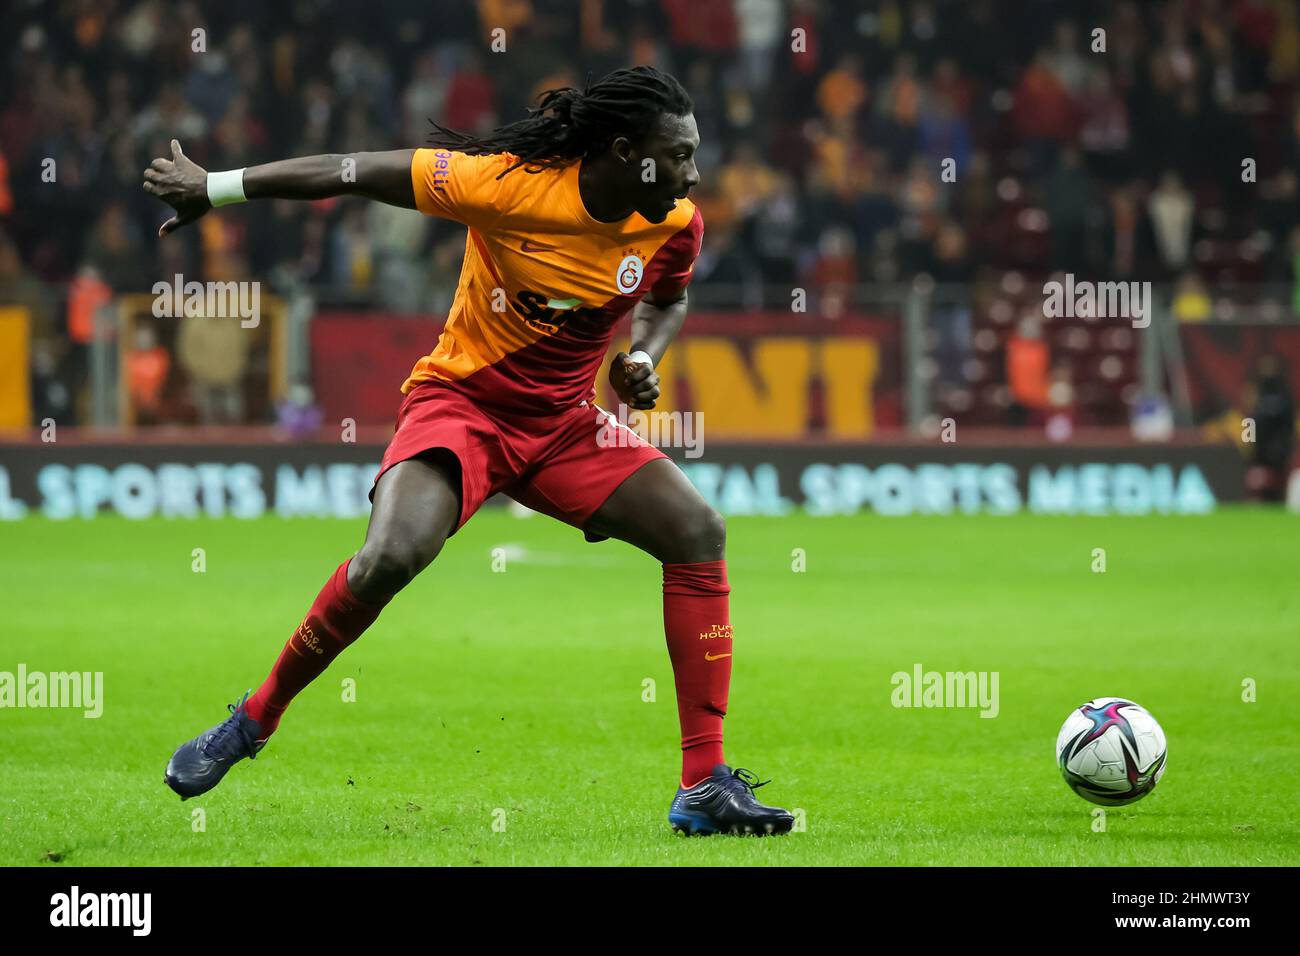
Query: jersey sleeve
(682, 250)
(458, 186)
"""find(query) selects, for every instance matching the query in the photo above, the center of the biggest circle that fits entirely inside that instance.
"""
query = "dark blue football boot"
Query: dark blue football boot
(724, 803)
(198, 766)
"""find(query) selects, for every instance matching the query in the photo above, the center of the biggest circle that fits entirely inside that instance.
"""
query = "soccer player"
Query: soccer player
(576, 214)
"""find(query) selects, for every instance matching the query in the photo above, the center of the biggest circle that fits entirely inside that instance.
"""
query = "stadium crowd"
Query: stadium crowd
(845, 146)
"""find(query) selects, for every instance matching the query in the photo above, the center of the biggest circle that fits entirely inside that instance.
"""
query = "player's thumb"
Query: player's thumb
(169, 226)
(176, 150)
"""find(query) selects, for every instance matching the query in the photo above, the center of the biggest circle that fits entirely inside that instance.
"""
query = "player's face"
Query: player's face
(671, 145)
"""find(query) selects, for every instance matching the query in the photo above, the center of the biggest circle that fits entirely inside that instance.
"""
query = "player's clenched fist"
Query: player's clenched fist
(635, 383)
(182, 184)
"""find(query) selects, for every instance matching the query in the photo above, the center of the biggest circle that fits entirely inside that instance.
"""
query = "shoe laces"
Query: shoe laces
(748, 779)
(233, 738)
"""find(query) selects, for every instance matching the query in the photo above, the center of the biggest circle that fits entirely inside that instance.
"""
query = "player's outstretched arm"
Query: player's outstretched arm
(191, 190)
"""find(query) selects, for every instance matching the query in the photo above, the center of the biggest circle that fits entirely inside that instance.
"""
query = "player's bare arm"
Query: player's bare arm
(189, 189)
(655, 323)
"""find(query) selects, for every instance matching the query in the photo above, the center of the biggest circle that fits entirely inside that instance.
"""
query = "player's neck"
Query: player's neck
(596, 190)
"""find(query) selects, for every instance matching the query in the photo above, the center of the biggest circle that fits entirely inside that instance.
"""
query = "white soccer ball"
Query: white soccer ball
(1111, 751)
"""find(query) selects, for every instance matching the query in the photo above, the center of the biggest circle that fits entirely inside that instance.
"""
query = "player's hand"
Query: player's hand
(635, 383)
(180, 183)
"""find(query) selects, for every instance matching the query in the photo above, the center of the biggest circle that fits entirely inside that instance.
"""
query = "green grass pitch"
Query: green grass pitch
(516, 696)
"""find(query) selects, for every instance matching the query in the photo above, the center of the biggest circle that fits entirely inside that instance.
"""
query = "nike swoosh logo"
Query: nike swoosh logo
(715, 657)
(530, 246)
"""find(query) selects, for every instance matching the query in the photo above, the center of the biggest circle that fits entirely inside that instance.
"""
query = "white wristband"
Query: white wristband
(642, 358)
(227, 187)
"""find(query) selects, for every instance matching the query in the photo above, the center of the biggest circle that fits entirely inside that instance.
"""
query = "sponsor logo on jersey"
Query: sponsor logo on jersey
(548, 315)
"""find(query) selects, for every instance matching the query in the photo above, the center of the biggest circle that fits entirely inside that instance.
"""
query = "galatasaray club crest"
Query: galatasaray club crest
(629, 272)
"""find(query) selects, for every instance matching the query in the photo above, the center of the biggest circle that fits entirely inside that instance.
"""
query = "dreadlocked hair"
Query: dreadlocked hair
(568, 124)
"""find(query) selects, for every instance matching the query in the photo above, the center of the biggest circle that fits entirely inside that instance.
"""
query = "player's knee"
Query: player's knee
(384, 569)
(701, 535)
(713, 532)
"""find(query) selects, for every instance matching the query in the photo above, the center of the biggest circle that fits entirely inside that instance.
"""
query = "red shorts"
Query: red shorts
(564, 465)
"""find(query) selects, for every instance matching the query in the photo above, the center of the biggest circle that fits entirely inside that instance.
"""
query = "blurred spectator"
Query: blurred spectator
(1191, 300)
(1029, 362)
(777, 227)
(1064, 60)
(760, 23)
(398, 266)
(1070, 205)
(469, 104)
(706, 27)
(952, 270)
(425, 94)
(944, 133)
(1104, 133)
(1124, 222)
(351, 252)
(842, 91)
(87, 295)
(835, 272)
(898, 113)
(1044, 111)
(147, 366)
(89, 300)
(1272, 407)
(213, 352)
(951, 87)
(746, 183)
(299, 414)
(1171, 207)
(116, 250)
(169, 117)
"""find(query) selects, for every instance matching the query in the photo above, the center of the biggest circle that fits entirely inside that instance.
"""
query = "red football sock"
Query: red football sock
(697, 623)
(336, 619)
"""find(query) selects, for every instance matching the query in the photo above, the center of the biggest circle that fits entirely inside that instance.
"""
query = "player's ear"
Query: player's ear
(622, 148)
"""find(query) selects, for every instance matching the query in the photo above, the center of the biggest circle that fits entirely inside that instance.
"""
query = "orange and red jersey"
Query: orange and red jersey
(543, 283)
